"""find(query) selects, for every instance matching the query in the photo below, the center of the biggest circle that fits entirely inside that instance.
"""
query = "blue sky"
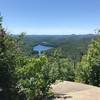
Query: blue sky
(51, 16)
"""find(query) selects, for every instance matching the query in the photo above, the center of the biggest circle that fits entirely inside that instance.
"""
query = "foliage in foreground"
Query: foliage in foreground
(37, 75)
(35, 78)
(10, 56)
(88, 70)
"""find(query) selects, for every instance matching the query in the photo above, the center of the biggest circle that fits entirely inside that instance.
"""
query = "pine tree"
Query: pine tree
(10, 55)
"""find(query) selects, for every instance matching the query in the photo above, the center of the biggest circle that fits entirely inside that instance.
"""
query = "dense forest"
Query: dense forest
(72, 46)
(25, 76)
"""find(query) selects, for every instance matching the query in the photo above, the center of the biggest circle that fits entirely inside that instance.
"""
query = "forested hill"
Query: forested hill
(70, 45)
(56, 38)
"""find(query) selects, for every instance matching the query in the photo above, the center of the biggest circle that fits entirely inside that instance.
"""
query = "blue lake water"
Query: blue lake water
(40, 48)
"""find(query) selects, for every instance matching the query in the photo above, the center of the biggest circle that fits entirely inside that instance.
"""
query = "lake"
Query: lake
(41, 48)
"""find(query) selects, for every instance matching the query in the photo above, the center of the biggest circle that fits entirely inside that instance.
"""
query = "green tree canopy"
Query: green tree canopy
(88, 70)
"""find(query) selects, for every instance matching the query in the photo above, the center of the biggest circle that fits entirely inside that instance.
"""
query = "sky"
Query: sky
(50, 17)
